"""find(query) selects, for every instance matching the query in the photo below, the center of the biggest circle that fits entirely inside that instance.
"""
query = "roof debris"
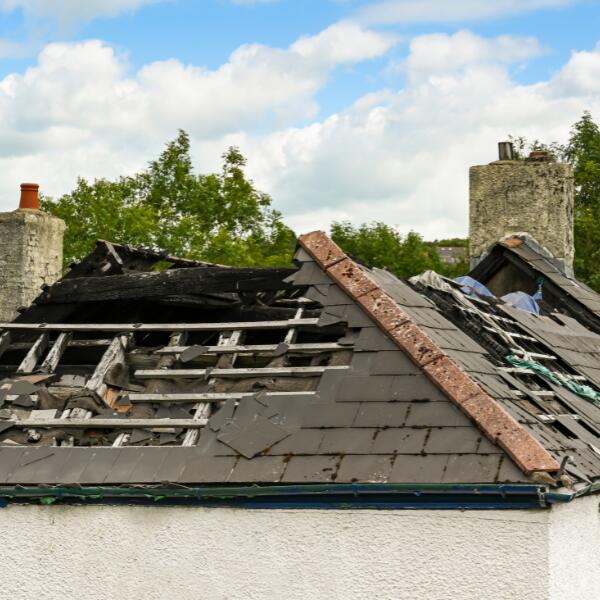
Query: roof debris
(329, 373)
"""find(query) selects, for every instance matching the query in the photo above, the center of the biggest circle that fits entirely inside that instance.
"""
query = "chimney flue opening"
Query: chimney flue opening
(506, 151)
(29, 196)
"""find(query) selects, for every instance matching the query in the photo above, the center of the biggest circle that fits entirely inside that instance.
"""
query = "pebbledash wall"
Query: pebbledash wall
(158, 553)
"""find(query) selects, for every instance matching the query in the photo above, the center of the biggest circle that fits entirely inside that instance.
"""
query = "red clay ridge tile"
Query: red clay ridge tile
(352, 278)
(384, 310)
(322, 248)
(411, 338)
(448, 376)
(489, 416)
(532, 456)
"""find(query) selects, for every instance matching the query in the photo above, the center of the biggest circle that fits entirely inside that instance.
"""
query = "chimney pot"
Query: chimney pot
(540, 156)
(29, 196)
(506, 151)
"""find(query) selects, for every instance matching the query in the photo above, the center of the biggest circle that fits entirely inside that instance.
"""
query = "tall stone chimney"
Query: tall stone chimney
(532, 196)
(31, 252)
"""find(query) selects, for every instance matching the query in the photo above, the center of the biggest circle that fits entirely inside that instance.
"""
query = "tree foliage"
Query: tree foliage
(379, 245)
(582, 151)
(220, 217)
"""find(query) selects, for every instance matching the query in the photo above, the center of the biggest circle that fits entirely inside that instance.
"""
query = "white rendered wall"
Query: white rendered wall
(197, 553)
(575, 550)
(150, 553)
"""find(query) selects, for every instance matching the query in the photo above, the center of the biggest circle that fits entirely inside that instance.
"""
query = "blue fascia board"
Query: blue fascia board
(380, 496)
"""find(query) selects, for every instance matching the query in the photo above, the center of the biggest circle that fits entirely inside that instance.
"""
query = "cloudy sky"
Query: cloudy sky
(346, 109)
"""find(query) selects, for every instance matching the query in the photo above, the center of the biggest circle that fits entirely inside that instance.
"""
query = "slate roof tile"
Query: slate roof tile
(390, 415)
(311, 469)
(369, 469)
(404, 440)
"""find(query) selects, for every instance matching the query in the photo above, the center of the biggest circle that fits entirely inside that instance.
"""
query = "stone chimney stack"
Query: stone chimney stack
(532, 196)
(31, 252)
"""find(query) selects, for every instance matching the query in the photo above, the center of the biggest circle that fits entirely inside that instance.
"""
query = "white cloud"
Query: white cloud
(440, 53)
(448, 11)
(78, 111)
(71, 12)
(401, 156)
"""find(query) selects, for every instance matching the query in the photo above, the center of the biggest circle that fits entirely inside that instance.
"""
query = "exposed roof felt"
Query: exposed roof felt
(328, 373)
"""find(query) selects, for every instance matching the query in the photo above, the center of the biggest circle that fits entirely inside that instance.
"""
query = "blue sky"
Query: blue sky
(346, 109)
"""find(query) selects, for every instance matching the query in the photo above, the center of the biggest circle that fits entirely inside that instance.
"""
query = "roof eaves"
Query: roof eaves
(320, 496)
(482, 409)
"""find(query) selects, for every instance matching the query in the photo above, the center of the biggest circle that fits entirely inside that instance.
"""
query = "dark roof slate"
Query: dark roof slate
(383, 408)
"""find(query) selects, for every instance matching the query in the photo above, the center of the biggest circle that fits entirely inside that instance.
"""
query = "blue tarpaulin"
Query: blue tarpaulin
(472, 287)
(523, 301)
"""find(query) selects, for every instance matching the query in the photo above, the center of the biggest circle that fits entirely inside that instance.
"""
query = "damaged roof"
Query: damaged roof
(325, 373)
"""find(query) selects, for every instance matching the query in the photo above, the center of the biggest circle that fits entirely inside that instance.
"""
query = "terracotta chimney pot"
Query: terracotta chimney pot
(29, 196)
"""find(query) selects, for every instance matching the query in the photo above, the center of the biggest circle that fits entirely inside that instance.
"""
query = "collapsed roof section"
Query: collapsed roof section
(203, 374)
(519, 262)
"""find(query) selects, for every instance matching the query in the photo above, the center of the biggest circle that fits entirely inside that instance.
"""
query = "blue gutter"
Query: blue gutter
(309, 496)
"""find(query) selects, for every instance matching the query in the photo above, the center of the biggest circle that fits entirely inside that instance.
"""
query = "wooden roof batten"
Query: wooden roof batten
(491, 418)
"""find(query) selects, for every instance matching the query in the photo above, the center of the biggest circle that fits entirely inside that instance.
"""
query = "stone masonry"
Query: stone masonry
(522, 196)
(31, 255)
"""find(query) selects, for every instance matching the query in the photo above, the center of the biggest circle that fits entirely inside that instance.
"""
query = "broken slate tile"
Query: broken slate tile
(262, 397)
(167, 438)
(192, 352)
(5, 425)
(247, 409)
(19, 388)
(327, 319)
(255, 437)
(281, 349)
(224, 413)
(139, 435)
(287, 411)
(23, 401)
(303, 441)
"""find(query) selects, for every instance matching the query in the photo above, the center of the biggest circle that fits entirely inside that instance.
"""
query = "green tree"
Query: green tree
(220, 217)
(582, 151)
(379, 245)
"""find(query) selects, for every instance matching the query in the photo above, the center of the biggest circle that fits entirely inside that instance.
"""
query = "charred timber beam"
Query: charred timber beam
(193, 280)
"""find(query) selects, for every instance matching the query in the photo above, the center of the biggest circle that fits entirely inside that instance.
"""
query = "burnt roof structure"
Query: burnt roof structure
(328, 381)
